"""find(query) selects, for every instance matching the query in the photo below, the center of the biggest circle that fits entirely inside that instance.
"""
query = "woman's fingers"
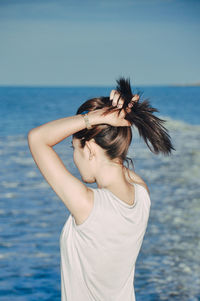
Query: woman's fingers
(135, 98)
(119, 101)
(112, 93)
(116, 99)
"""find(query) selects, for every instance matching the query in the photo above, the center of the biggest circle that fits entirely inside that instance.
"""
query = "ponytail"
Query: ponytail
(141, 116)
(116, 140)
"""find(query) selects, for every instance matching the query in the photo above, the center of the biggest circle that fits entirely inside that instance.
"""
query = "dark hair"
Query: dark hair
(116, 140)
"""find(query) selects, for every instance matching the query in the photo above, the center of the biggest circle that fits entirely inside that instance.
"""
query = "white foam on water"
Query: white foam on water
(40, 254)
(9, 184)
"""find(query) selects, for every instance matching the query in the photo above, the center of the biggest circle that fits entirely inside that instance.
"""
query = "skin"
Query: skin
(91, 161)
(95, 166)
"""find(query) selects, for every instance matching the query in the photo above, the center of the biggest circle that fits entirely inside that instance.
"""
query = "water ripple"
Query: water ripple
(32, 217)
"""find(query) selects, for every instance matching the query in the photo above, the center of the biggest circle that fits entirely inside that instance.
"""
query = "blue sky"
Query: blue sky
(93, 42)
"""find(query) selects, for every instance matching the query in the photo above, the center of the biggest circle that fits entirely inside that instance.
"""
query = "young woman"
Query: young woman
(102, 236)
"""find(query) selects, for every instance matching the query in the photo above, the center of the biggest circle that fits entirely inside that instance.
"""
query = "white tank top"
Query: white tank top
(98, 256)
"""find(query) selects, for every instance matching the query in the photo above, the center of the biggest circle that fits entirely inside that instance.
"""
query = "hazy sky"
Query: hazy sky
(93, 42)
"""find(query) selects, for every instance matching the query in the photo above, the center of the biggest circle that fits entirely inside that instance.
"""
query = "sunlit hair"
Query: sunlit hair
(116, 140)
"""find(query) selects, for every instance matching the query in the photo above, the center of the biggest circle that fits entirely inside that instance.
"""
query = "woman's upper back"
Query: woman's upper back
(134, 177)
(104, 248)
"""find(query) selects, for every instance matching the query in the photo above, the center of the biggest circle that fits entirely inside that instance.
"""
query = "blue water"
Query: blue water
(32, 216)
(24, 108)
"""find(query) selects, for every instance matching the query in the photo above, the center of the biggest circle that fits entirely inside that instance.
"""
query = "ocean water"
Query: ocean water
(32, 216)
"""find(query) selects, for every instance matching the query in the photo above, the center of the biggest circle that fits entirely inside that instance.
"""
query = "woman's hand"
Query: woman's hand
(113, 118)
(118, 101)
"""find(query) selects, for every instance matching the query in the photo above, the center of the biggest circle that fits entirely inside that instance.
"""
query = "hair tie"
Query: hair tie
(84, 112)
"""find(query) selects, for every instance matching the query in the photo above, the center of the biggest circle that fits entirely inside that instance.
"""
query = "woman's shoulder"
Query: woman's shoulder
(134, 177)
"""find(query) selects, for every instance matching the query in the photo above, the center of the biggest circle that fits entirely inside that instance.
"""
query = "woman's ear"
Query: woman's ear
(90, 148)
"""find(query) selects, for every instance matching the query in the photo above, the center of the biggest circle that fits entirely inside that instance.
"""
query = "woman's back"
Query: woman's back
(98, 256)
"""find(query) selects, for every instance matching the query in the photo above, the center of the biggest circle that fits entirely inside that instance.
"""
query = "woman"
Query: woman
(101, 239)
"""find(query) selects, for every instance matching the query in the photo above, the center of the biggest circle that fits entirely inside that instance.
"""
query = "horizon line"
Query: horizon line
(95, 86)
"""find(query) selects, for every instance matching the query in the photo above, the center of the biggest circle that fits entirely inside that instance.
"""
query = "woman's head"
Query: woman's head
(115, 141)
(92, 160)
(103, 144)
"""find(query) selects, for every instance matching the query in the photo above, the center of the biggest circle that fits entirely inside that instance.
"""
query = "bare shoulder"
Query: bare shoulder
(134, 177)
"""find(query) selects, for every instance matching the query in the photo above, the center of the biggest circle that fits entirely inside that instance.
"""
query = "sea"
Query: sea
(32, 216)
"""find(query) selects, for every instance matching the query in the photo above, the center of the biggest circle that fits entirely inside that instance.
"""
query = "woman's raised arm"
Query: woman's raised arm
(76, 196)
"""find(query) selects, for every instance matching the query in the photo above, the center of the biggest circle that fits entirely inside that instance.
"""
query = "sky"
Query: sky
(93, 42)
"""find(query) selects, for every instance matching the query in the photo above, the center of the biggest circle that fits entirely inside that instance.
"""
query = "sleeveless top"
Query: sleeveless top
(98, 256)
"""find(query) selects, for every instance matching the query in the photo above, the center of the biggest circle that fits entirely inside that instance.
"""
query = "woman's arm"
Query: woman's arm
(76, 196)
(53, 132)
